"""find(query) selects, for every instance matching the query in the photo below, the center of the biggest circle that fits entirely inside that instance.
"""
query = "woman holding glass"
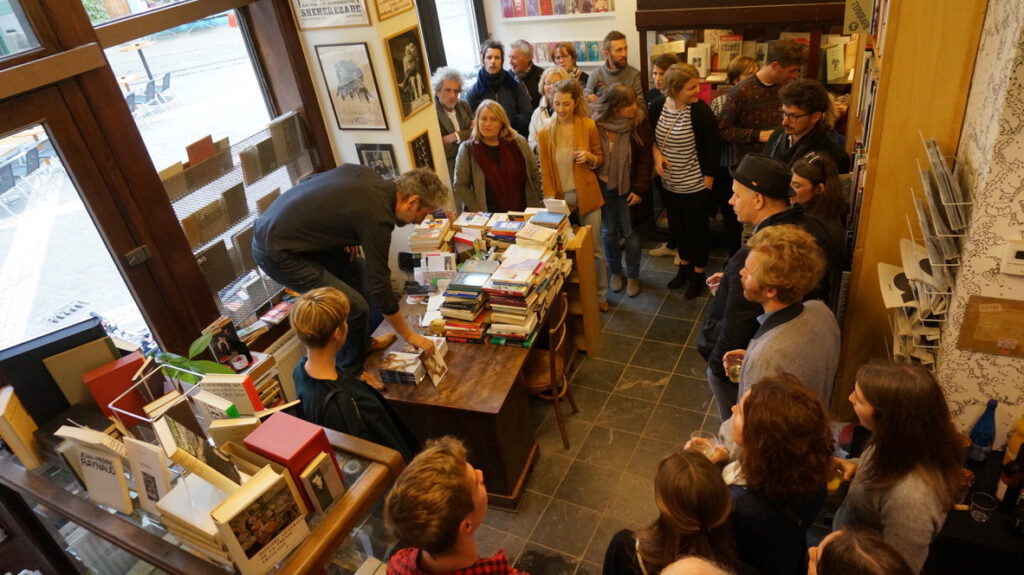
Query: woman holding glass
(564, 55)
(546, 110)
(625, 179)
(909, 476)
(570, 151)
(686, 157)
(495, 170)
(778, 483)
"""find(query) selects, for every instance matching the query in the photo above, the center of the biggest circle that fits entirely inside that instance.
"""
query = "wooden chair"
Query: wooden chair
(546, 371)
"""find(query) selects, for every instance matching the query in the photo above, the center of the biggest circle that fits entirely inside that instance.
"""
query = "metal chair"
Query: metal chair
(546, 371)
(163, 89)
(150, 99)
(9, 183)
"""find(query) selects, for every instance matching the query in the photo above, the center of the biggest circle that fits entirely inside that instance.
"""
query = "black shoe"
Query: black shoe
(684, 273)
(697, 285)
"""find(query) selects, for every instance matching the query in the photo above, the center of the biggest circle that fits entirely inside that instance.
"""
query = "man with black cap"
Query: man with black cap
(760, 197)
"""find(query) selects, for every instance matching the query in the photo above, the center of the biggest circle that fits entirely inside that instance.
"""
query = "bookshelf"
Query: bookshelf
(581, 287)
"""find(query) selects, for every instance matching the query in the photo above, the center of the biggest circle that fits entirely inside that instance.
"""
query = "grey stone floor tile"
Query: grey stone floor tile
(588, 486)
(566, 528)
(642, 383)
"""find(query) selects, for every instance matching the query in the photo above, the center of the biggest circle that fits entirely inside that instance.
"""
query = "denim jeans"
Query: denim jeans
(617, 226)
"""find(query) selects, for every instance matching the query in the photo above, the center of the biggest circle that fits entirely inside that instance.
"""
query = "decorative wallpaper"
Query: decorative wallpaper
(990, 166)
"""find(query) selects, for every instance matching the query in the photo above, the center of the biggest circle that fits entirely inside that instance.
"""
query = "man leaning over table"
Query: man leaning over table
(313, 234)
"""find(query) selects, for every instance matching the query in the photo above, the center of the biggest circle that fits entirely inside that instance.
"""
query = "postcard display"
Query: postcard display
(219, 193)
(918, 293)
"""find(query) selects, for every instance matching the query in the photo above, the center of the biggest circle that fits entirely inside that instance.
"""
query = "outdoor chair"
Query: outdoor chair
(9, 183)
(163, 89)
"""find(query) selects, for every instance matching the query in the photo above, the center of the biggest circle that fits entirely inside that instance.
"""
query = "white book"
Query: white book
(150, 471)
(93, 439)
(191, 501)
(103, 474)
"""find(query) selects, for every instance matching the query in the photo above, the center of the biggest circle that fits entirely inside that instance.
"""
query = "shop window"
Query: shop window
(55, 270)
(15, 32)
(101, 11)
(461, 38)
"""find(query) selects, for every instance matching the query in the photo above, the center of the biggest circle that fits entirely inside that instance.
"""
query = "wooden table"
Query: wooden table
(479, 403)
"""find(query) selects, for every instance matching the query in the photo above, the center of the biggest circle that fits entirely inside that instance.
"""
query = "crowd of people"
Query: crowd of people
(763, 154)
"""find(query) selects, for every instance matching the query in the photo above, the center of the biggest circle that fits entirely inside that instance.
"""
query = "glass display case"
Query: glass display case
(67, 533)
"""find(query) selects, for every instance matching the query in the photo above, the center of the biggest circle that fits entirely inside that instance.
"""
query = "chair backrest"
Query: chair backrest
(166, 83)
(31, 160)
(150, 91)
(130, 100)
(559, 344)
(6, 178)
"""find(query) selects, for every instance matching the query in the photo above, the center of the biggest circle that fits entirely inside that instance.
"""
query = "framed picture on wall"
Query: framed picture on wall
(419, 151)
(330, 13)
(348, 74)
(409, 71)
(389, 8)
(380, 157)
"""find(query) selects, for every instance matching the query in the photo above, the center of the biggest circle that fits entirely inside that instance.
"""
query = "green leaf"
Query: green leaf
(199, 345)
(207, 366)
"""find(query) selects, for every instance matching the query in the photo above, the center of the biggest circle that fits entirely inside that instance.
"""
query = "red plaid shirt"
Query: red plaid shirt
(407, 562)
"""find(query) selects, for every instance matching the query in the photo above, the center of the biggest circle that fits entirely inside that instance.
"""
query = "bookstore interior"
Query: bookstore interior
(149, 415)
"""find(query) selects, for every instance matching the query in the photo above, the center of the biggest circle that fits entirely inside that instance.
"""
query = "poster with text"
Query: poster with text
(330, 13)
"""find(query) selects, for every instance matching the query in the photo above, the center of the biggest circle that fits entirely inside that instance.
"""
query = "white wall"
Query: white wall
(989, 165)
(566, 28)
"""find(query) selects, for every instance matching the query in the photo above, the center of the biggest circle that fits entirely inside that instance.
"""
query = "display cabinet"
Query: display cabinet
(52, 526)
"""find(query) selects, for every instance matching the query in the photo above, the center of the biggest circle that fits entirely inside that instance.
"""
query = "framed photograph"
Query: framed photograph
(409, 71)
(348, 73)
(330, 13)
(389, 8)
(419, 151)
(380, 157)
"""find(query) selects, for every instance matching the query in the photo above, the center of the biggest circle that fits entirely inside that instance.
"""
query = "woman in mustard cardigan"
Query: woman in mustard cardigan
(570, 150)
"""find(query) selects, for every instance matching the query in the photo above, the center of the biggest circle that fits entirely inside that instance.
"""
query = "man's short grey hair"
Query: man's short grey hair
(444, 74)
(424, 183)
(524, 47)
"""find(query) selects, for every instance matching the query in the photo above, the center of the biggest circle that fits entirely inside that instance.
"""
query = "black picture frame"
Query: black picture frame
(380, 157)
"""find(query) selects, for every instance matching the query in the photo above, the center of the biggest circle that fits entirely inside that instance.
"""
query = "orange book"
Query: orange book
(291, 442)
(110, 380)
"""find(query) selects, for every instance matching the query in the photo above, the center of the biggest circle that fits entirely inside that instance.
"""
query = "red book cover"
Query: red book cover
(291, 442)
(111, 380)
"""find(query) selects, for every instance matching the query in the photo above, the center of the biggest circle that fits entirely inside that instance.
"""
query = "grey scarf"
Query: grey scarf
(617, 158)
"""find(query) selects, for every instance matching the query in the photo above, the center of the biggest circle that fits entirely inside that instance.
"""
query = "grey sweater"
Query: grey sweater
(909, 514)
(604, 76)
(802, 339)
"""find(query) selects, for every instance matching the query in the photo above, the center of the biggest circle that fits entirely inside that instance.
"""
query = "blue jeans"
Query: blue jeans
(617, 226)
(329, 269)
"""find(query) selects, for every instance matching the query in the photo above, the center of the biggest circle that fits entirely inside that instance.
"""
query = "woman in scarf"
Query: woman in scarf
(495, 171)
(625, 178)
(546, 110)
(570, 152)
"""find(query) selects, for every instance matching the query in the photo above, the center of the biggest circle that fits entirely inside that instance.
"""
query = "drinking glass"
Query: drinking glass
(982, 506)
(704, 442)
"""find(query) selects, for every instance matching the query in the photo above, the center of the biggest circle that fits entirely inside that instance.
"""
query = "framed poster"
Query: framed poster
(419, 151)
(380, 157)
(330, 13)
(409, 71)
(348, 73)
(389, 8)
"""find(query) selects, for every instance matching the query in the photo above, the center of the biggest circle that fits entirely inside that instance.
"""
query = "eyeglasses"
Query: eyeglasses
(788, 116)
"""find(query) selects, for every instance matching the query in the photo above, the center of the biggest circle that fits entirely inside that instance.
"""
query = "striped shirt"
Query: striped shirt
(675, 139)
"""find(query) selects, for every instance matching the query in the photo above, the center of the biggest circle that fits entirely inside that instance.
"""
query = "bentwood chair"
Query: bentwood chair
(546, 372)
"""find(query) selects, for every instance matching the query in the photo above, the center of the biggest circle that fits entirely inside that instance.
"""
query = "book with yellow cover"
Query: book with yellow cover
(16, 429)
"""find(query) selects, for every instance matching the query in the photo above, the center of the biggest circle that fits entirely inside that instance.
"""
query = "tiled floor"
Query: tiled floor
(640, 396)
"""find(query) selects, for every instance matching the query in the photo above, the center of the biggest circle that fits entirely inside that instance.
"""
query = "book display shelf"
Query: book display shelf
(219, 194)
(49, 520)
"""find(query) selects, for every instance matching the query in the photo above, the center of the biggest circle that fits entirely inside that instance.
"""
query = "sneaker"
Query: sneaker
(616, 283)
(682, 276)
(697, 285)
(661, 250)
(632, 287)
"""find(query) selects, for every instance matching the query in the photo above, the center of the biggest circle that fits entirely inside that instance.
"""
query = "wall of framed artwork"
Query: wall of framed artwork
(388, 8)
(380, 157)
(355, 97)
(330, 13)
(409, 70)
(419, 151)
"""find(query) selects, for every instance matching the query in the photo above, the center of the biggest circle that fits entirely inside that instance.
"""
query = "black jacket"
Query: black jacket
(818, 139)
(730, 321)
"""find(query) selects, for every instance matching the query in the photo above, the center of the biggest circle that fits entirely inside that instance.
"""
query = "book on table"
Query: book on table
(67, 367)
(238, 388)
(17, 429)
(186, 512)
(103, 474)
(112, 379)
(234, 429)
(225, 345)
(178, 429)
(322, 482)
(150, 471)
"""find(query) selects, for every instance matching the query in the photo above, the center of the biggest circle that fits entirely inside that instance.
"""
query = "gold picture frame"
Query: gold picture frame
(388, 8)
(408, 63)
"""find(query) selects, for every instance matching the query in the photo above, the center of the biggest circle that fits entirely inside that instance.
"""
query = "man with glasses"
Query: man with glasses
(804, 106)
(751, 111)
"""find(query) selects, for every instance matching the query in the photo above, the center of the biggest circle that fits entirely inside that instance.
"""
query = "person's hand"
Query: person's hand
(633, 199)
(713, 281)
(661, 166)
(719, 453)
(353, 252)
(734, 356)
(421, 342)
(708, 182)
(450, 138)
(583, 156)
(764, 135)
(849, 467)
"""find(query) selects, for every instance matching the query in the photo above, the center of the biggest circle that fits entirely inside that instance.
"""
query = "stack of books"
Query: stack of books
(518, 291)
(401, 367)
(186, 513)
(504, 232)
(555, 221)
(535, 235)
(474, 220)
(464, 307)
(429, 235)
